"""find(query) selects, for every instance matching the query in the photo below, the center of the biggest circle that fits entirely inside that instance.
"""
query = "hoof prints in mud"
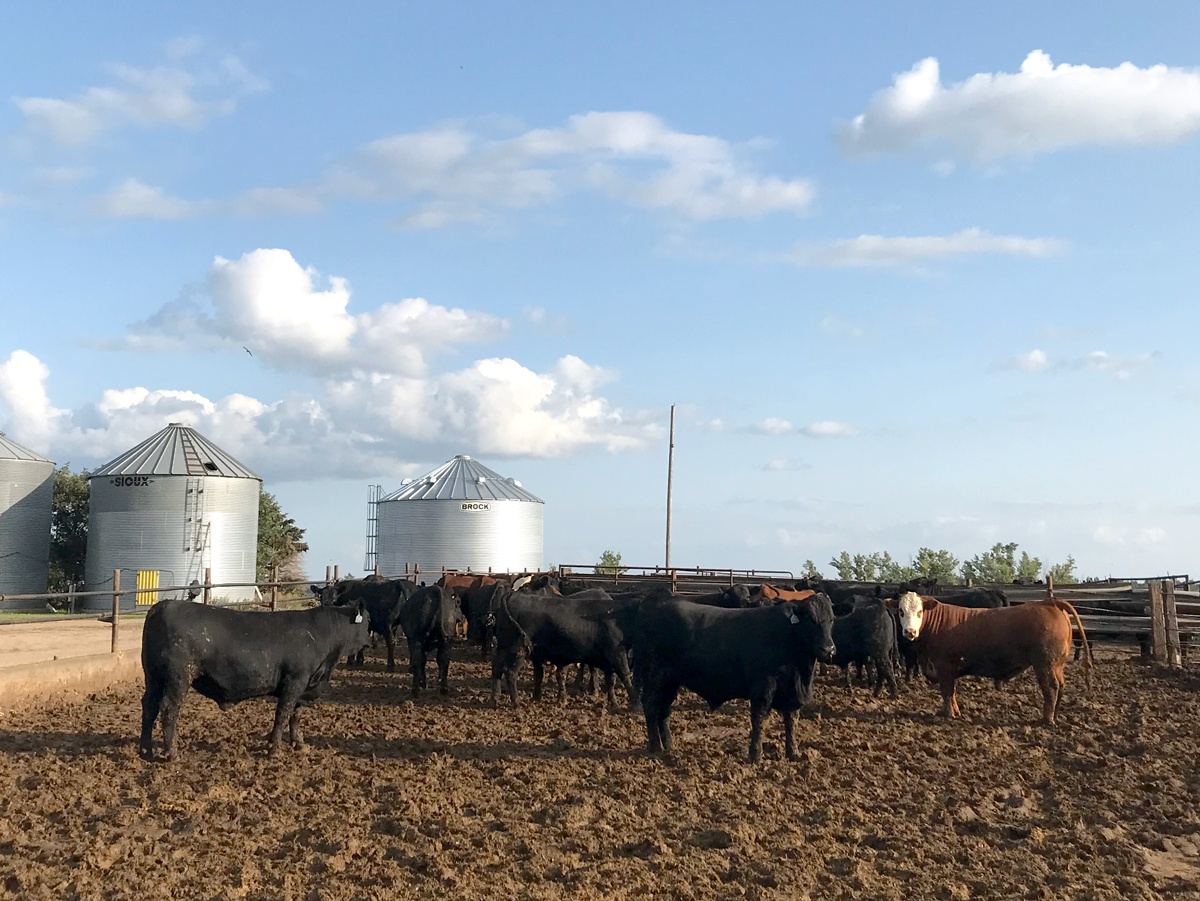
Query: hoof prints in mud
(446, 797)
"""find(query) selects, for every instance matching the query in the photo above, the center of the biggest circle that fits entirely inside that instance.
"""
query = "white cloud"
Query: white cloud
(838, 327)
(281, 312)
(361, 425)
(1119, 367)
(134, 200)
(830, 429)
(1041, 108)
(821, 429)
(784, 464)
(58, 176)
(452, 173)
(161, 96)
(878, 250)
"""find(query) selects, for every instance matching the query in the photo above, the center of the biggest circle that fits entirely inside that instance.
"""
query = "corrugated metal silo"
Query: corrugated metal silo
(176, 504)
(26, 499)
(460, 516)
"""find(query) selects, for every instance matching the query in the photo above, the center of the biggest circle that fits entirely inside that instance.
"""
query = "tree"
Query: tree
(610, 564)
(876, 567)
(1063, 573)
(280, 542)
(810, 571)
(939, 565)
(68, 529)
(1000, 565)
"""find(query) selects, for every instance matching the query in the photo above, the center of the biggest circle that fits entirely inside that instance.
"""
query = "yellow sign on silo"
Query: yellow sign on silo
(147, 585)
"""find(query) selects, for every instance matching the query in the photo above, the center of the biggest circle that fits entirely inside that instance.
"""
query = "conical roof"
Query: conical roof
(177, 450)
(461, 479)
(10, 450)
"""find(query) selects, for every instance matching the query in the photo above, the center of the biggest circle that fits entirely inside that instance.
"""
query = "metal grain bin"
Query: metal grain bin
(26, 504)
(461, 516)
(176, 504)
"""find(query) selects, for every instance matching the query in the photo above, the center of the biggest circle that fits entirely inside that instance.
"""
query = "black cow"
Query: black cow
(725, 654)
(382, 598)
(231, 656)
(588, 627)
(867, 634)
(430, 618)
(732, 598)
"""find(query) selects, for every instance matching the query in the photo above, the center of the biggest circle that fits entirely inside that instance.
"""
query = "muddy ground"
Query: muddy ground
(448, 798)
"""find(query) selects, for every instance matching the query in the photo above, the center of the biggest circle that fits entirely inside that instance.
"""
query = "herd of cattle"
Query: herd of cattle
(760, 643)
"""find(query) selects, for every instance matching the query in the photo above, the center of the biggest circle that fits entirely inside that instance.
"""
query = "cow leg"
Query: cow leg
(443, 662)
(416, 666)
(848, 686)
(760, 709)
(1049, 687)
(151, 702)
(789, 733)
(947, 683)
(577, 687)
(560, 679)
(539, 673)
(289, 697)
(390, 640)
(883, 671)
(172, 701)
(295, 736)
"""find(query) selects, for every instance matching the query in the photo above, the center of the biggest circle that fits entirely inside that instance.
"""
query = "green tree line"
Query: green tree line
(998, 564)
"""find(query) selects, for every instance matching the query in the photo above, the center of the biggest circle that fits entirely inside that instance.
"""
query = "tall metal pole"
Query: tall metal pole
(670, 475)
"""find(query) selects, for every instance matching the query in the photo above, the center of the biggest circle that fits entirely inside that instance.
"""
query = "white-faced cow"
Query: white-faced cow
(998, 644)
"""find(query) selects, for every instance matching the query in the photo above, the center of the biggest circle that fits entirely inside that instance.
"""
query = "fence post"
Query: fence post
(116, 608)
(327, 574)
(1049, 586)
(335, 572)
(1158, 625)
(207, 585)
(1174, 657)
(274, 586)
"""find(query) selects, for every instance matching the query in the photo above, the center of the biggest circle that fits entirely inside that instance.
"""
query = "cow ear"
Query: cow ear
(928, 603)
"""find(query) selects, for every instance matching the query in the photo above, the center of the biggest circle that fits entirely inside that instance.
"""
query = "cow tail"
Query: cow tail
(1087, 651)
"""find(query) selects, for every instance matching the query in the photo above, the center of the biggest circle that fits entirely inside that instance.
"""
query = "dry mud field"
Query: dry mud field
(448, 798)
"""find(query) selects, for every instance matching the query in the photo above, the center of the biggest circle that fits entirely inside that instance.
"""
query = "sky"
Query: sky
(913, 275)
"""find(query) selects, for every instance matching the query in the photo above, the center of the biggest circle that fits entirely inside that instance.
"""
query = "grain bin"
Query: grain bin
(461, 516)
(26, 503)
(176, 504)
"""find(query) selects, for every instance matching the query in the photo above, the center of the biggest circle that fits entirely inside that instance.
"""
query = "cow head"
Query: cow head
(912, 609)
(811, 622)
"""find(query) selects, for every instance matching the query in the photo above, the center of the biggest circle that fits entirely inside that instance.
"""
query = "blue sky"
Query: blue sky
(914, 274)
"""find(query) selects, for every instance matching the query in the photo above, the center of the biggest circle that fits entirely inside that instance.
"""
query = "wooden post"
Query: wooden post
(208, 585)
(327, 574)
(116, 608)
(1174, 657)
(1049, 586)
(335, 572)
(274, 586)
(670, 479)
(377, 569)
(1158, 625)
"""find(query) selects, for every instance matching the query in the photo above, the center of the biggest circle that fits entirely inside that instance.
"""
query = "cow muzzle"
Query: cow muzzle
(911, 634)
(827, 652)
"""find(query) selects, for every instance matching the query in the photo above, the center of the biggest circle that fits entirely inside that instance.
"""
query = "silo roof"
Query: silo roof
(177, 450)
(461, 479)
(10, 450)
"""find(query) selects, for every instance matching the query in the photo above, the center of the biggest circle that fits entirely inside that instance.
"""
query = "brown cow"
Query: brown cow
(997, 643)
(776, 595)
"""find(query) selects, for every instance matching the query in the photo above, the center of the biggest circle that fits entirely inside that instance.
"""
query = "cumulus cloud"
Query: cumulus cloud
(878, 250)
(169, 96)
(134, 200)
(357, 425)
(292, 319)
(1121, 367)
(1041, 108)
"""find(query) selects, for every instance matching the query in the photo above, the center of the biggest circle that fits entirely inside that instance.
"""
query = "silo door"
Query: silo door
(147, 588)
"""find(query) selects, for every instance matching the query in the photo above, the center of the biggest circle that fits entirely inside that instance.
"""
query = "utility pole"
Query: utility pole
(670, 474)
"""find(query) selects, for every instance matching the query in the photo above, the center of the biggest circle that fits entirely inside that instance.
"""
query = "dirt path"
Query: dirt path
(449, 798)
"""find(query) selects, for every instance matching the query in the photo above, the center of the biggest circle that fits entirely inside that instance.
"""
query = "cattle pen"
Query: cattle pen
(449, 796)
